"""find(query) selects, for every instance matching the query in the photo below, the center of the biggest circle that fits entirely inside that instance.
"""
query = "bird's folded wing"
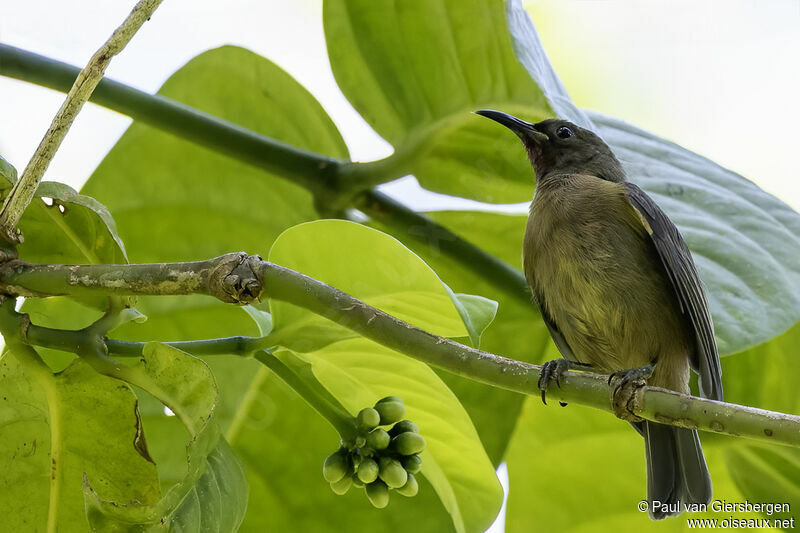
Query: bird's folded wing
(555, 333)
(680, 269)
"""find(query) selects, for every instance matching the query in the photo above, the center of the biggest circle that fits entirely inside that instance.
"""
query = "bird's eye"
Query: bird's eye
(564, 132)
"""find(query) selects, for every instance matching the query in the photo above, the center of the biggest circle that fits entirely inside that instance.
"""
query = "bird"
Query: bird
(619, 292)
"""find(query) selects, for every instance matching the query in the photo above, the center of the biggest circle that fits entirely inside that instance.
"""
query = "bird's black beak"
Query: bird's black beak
(525, 130)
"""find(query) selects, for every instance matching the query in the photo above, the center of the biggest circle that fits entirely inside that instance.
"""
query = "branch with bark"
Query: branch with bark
(240, 278)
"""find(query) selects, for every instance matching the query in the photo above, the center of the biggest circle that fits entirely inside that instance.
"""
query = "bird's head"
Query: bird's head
(558, 146)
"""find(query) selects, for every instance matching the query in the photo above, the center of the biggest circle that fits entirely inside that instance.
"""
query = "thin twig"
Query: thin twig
(23, 190)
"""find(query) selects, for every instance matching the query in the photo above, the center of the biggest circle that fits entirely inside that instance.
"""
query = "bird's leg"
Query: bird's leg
(553, 370)
(623, 397)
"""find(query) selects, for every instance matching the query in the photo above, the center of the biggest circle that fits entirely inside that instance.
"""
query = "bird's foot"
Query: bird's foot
(553, 370)
(624, 397)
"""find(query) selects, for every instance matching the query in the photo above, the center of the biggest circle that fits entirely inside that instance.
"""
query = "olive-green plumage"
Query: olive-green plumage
(618, 289)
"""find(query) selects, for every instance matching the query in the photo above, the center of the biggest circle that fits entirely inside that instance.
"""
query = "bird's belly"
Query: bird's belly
(604, 288)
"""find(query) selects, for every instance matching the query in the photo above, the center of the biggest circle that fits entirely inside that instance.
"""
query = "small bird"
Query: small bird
(619, 292)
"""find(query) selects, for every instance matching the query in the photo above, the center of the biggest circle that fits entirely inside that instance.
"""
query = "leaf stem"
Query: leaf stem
(23, 189)
(339, 419)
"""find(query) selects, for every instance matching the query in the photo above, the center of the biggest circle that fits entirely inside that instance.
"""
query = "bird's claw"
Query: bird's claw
(553, 370)
(624, 399)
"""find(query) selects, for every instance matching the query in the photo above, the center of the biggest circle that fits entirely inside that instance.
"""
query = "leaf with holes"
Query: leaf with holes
(56, 430)
(61, 226)
(212, 494)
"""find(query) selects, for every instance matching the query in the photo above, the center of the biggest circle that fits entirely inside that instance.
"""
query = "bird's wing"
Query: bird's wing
(680, 269)
(555, 333)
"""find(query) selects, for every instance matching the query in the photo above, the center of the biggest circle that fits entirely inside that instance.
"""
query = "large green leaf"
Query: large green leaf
(746, 242)
(765, 377)
(578, 469)
(56, 430)
(62, 226)
(174, 200)
(364, 262)
(416, 69)
(212, 493)
(379, 270)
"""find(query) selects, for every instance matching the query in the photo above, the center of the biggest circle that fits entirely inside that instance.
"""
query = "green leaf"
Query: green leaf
(766, 474)
(765, 377)
(7, 171)
(263, 319)
(207, 203)
(379, 270)
(365, 263)
(62, 226)
(578, 469)
(477, 313)
(212, 495)
(417, 69)
(746, 242)
(54, 431)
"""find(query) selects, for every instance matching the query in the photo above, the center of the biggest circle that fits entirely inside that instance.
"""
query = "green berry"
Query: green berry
(368, 471)
(390, 412)
(412, 463)
(360, 441)
(408, 443)
(390, 399)
(392, 472)
(357, 482)
(378, 439)
(337, 465)
(378, 494)
(411, 488)
(342, 486)
(404, 426)
(369, 418)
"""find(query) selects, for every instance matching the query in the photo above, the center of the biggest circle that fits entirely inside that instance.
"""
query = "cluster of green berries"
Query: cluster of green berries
(378, 459)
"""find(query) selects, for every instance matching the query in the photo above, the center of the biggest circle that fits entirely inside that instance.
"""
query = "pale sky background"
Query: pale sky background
(719, 77)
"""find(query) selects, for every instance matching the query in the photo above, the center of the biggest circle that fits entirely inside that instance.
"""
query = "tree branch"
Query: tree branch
(281, 283)
(23, 190)
(231, 278)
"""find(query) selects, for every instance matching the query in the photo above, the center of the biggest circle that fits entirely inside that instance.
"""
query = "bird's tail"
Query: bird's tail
(676, 469)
